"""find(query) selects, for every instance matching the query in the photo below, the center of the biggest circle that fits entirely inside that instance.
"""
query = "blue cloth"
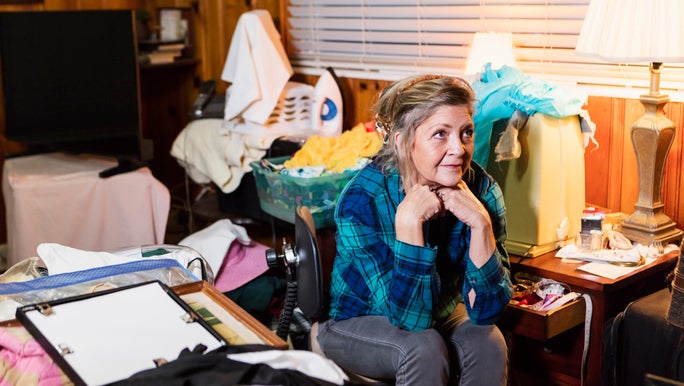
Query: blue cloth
(87, 275)
(413, 286)
(501, 92)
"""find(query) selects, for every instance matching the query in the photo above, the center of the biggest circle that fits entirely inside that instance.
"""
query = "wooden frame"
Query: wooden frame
(233, 323)
(222, 308)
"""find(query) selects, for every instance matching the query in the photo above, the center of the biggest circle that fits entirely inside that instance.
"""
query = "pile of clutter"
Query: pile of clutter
(540, 294)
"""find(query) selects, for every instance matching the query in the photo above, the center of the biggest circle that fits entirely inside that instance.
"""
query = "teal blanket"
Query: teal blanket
(501, 92)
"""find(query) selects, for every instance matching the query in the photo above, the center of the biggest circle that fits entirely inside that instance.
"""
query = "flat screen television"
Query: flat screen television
(70, 82)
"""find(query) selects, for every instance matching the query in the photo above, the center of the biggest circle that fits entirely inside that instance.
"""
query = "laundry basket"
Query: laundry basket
(280, 194)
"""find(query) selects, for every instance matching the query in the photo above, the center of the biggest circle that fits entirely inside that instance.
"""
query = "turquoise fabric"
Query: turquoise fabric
(501, 92)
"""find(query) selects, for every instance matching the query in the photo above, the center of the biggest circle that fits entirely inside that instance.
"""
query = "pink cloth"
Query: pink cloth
(59, 198)
(24, 362)
(242, 264)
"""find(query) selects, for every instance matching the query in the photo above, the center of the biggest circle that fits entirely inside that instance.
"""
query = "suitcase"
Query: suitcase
(640, 341)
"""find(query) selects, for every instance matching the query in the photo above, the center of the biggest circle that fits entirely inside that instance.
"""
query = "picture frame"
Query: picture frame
(232, 322)
(131, 329)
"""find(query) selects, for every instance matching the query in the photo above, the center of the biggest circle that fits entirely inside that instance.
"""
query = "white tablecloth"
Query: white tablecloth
(60, 198)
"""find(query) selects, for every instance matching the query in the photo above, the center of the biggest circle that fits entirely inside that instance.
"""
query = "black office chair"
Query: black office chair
(302, 263)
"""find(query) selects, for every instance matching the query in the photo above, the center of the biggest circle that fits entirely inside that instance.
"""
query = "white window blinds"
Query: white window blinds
(387, 39)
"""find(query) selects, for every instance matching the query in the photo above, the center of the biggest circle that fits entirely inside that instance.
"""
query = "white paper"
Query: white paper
(616, 255)
(611, 271)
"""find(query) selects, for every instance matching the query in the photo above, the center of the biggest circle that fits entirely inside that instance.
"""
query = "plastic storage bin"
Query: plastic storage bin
(279, 195)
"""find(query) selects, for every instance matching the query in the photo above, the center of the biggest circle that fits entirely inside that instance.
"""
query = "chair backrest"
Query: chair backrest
(310, 293)
(305, 213)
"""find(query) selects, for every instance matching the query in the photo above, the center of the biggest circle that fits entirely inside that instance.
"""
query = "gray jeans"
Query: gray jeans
(373, 347)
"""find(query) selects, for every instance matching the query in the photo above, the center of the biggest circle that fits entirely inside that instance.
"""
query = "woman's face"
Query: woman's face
(443, 146)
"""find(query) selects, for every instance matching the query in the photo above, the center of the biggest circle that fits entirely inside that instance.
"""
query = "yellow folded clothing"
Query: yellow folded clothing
(339, 153)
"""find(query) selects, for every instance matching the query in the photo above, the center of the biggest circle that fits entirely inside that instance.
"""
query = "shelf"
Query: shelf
(178, 63)
(153, 44)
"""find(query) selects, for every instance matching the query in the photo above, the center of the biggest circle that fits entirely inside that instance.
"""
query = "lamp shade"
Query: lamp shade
(490, 47)
(631, 31)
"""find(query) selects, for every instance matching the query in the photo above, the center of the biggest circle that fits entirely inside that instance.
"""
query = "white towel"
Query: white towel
(257, 67)
(213, 241)
(60, 258)
(211, 153)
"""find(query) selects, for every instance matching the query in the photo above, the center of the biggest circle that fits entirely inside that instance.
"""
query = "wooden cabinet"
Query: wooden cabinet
(167, 92)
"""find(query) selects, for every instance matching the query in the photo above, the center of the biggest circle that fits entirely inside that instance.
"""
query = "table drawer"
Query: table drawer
(543, 325)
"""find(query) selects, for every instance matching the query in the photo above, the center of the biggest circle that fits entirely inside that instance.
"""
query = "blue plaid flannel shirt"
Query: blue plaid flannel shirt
(374, 274)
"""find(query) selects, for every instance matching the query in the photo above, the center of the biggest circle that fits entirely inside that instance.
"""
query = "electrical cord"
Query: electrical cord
(290, 302)
(587, 337)
(203, 269)
(557, 243)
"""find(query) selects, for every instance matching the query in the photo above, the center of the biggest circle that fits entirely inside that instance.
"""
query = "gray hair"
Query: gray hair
(407, 103)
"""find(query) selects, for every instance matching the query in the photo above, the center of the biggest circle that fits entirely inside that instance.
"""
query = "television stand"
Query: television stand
(124, 166)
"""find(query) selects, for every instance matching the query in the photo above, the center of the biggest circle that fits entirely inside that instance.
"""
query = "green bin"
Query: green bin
(279, 194)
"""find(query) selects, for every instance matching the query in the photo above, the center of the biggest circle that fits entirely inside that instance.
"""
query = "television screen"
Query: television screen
(70, 81)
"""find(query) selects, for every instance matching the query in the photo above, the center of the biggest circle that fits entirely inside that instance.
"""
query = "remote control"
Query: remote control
(206, 91)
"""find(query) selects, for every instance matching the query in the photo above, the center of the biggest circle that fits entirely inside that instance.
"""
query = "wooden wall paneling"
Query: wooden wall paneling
(173, 3)
(217, 24)
(679, 215)
(367, 92)
(282, 26)
(53, 5)
(619, 133)
(351, 95)
(597, 156)
(672, 177)
(27, 6)
(207, 23)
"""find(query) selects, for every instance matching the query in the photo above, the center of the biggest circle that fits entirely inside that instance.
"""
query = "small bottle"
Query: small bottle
(596, 240)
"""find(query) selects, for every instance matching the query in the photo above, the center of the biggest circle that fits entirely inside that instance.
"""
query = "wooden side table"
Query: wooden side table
(558, 360)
